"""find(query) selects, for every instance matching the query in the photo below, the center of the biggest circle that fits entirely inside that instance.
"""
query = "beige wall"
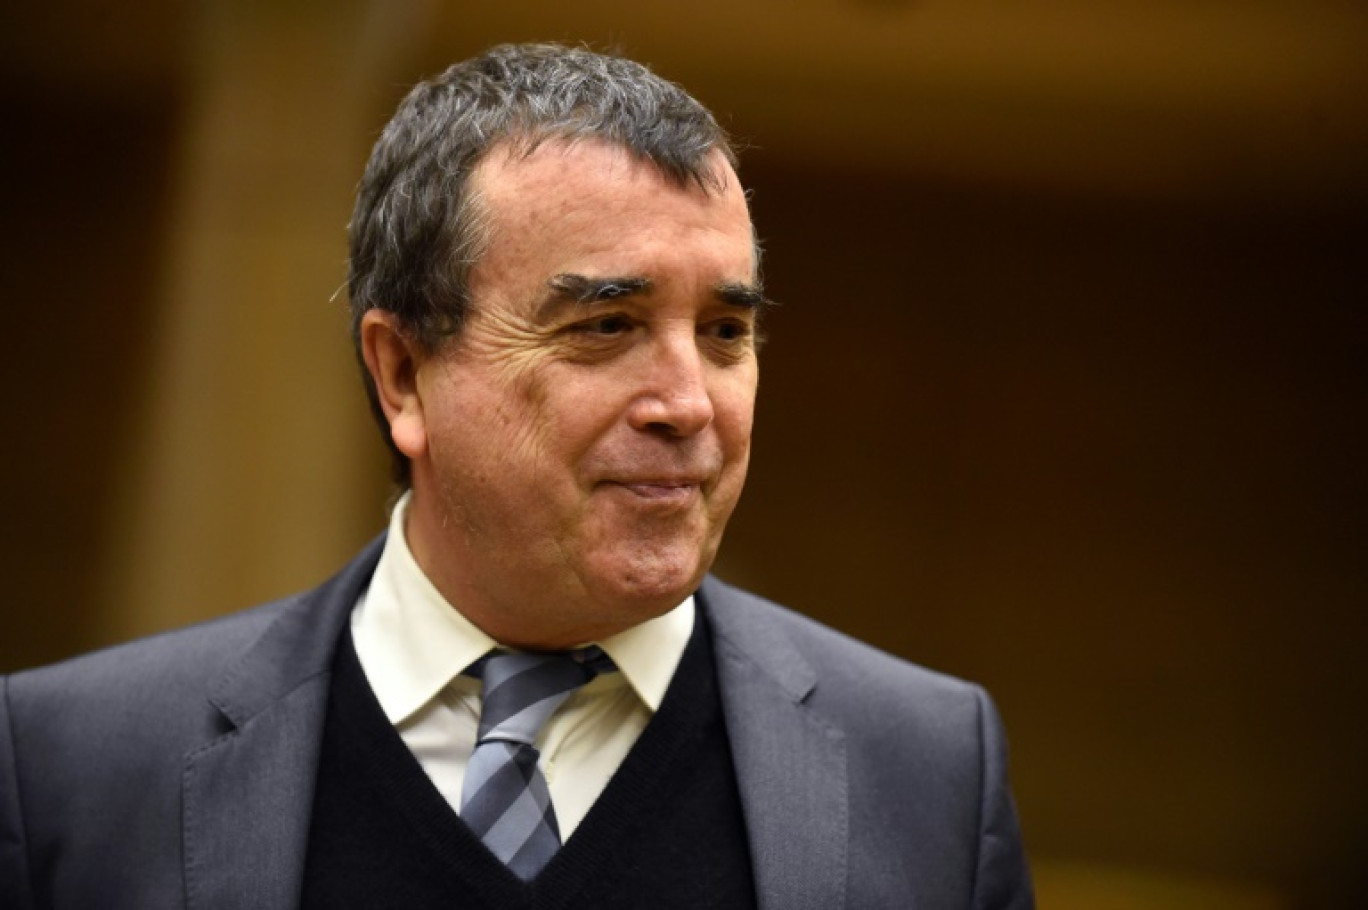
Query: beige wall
(1065, 396)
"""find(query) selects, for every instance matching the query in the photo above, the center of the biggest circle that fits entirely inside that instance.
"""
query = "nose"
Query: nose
(673, 398)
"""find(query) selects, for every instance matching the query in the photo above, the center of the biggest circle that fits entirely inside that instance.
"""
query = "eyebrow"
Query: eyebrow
(581, 289)
(749, 296)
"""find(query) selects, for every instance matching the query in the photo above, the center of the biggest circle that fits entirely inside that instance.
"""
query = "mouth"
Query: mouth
(659, 490)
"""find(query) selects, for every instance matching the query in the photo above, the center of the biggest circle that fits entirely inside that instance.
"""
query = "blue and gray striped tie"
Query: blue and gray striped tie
(504, 799)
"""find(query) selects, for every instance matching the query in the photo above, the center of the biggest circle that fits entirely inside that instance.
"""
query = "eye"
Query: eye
(728, 330)
(604, 325)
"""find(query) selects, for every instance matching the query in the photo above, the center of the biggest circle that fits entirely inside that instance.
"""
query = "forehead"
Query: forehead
(578, 205)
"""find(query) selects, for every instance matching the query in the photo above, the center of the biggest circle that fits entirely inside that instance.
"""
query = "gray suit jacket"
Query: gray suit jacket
(178, 771)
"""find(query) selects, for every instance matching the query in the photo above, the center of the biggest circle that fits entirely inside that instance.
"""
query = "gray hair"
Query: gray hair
(417, 228)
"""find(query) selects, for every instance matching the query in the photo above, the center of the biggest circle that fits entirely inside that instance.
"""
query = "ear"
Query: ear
(392, 359)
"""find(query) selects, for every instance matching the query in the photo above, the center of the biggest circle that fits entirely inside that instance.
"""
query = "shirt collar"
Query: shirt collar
(411, 642)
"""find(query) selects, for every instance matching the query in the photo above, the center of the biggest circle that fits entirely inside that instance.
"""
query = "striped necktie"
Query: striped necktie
(504, 799)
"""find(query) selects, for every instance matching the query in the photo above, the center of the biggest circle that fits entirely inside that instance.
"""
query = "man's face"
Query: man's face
(586, 435)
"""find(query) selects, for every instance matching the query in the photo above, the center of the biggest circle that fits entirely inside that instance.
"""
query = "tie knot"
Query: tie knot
(522, 691)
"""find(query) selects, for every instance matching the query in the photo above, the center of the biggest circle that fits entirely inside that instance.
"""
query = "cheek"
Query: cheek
(735, 413)
(581, 405)
(509, 416)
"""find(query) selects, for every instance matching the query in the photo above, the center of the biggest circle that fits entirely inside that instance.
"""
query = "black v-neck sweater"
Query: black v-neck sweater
(667, 831)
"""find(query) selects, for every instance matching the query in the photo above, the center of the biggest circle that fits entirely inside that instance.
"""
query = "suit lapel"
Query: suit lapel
(790, 764)
(248, 794)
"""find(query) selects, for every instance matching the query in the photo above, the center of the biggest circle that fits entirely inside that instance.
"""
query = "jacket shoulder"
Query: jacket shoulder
(163, 662)
(155, 690)
(257, 652)
(842, 663)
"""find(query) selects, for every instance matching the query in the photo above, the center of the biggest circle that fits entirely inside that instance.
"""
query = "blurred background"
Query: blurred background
(1066, 395)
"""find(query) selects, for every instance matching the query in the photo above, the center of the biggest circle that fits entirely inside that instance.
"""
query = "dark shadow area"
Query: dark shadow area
(82, 229)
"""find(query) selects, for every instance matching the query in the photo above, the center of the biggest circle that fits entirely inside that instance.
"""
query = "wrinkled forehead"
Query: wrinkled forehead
(594, 208)
(533, 189)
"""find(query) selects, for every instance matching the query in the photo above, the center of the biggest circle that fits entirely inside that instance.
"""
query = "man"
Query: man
(528, 694)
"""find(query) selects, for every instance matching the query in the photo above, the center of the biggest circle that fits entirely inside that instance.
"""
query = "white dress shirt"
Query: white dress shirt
(413, 647)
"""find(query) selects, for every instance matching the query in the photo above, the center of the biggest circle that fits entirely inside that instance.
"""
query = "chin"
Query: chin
(655, 581)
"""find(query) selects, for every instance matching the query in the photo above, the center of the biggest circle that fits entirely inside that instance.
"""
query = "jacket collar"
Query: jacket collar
(790, 763)
(248, 794)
